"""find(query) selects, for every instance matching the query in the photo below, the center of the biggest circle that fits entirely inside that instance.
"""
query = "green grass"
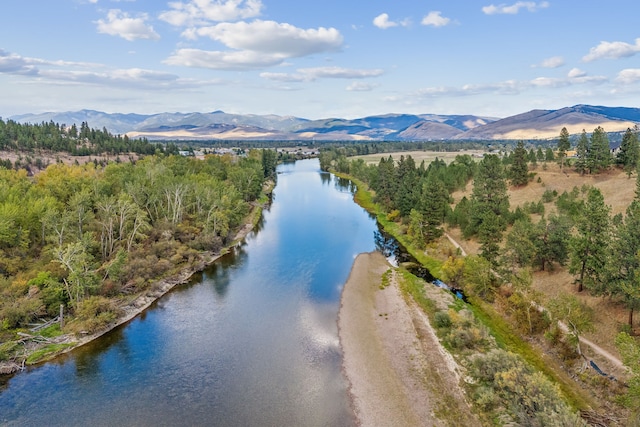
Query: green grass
(498, 327)
(47, 352)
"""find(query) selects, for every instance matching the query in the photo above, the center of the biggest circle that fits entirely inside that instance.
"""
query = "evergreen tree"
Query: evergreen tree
(551, 241)
(548, 155)
(533, 159)
(590, 246)
(407, 186)
(599, 157)
(582, 152)
(624, 275)
(519, 170)
(563, 146)
(489, 206)
(629, 152)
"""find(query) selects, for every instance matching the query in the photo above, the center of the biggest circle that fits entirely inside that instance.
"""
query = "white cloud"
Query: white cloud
(256, 44)
(312, 74)
(201, 12)
(120, 24)
(576, 72)
(628, 76)
(273, 37)
(382, 21)
(513, 9)
(553, 62)
(435, 19)
(612, 50)
(361, 87)
(216, 60)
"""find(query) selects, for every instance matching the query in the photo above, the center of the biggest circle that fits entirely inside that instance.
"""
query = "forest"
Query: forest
(83, 238)
(573, 230)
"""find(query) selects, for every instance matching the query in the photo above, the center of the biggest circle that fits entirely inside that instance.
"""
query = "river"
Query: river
(252, 341)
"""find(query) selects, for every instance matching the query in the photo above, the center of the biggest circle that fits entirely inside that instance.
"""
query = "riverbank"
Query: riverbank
(397, 370)
(132, 307)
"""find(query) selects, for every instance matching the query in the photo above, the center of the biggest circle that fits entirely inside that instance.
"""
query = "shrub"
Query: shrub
(95, 313)
(442, 320)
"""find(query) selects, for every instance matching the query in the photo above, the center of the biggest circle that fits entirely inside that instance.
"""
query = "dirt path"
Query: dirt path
(617, 363)
(399, 374)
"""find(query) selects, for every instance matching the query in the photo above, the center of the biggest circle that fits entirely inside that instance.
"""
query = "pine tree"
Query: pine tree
(582, 152)
(519, 170)
(563, 146)
(599, 157)
(629, 151)
(489, 206)
(590, 246)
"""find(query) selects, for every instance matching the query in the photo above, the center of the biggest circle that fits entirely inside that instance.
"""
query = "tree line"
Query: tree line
(50, 136)
(81, 236)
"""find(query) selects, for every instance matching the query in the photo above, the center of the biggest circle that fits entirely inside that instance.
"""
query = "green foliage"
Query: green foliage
(629, 153)
(582, 152)
(589, 248)
(563, 146)
(94, 314)
(577, 316)
(519, 171)
(629, 349)
(599, 155)
(46, 351)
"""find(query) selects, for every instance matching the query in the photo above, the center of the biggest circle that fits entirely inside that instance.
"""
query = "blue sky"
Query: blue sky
(317, 59)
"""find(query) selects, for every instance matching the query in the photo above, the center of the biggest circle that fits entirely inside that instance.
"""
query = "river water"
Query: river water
(252, 341)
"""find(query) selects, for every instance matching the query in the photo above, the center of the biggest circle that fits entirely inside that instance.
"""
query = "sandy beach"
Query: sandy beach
(398, 373)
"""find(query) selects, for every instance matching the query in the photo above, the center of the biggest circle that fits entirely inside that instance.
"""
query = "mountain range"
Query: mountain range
(218, 125)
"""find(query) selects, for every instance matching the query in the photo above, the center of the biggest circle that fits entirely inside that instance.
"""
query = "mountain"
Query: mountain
(544, 124)
(218, 125)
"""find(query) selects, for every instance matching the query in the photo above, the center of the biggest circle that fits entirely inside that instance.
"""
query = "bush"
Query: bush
(442, 320)
(95, 313)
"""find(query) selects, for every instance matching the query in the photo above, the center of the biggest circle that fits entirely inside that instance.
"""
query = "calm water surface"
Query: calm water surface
(250, 342)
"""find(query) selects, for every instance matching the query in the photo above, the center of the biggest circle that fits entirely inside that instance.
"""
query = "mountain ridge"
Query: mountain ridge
(218, 125)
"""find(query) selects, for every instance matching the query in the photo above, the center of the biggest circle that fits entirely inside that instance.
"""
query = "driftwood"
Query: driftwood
(44, 325)
(596, 419)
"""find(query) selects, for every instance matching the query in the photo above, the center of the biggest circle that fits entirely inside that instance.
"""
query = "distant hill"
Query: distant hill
(535, 124)
(544, 124)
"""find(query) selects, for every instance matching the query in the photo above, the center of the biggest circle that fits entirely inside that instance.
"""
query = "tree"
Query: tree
(520, 249)
(576, 316)
(489, 194)
(623, 276)
(630, 352)
(599, 157)
(563, 146)
(551, 241)
(629, 151)
(519, 170)
(489, 206)
(582, 152)
(589, 247)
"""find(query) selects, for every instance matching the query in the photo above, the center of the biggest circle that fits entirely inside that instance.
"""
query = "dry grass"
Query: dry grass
(419, 156)
(618, 191)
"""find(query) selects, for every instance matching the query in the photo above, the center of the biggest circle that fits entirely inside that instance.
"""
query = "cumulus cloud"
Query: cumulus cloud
(273, 37)
(435, 19)
(256, 44)
(553, 62)
(312, 74)
(576, 72)
(67, 72)
(119, 23)
(201, 12)
(612, 50)
(514, 9)
(382, 21)
(628, 76)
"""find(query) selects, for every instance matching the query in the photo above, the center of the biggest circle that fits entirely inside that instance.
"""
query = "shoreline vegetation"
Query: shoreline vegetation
(133, 307)
(86, 248)
(139, 303)
(488, 353)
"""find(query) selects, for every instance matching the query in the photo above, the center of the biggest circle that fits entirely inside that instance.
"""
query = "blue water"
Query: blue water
(250, 342)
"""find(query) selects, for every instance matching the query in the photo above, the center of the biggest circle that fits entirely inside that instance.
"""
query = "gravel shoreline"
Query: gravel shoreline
(398, 373)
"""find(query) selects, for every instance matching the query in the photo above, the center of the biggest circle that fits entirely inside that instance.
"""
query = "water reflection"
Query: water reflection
(251, 341)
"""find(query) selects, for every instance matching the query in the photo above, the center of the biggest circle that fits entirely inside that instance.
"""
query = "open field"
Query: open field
(419, 156)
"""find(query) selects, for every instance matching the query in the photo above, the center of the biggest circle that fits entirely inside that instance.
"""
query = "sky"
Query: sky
(317, 59)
